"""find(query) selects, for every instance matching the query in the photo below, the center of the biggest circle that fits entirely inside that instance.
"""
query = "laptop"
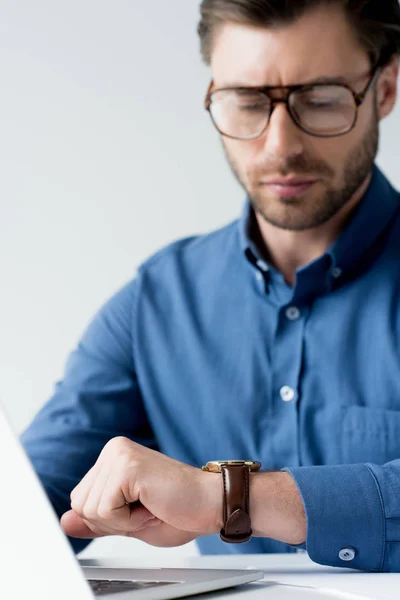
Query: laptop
(37, 561)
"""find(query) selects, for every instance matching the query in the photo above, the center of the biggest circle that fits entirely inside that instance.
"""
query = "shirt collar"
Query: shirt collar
(373, 214)
(247, 242)
(370, 219)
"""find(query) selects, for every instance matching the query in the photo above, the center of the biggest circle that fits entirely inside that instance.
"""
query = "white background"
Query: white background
(106, 155)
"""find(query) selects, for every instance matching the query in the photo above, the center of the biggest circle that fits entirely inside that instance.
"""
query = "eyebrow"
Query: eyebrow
(322, 79)
(327, 79)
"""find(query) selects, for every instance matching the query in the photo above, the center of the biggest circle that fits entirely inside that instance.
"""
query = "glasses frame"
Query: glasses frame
(288, 91)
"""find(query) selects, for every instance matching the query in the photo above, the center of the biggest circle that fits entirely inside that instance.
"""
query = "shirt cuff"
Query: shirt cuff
(345, 516)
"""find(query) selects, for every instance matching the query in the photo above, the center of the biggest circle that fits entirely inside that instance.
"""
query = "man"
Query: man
(275, 339)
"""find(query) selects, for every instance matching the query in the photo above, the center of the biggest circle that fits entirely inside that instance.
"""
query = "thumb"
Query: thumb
(74, 526)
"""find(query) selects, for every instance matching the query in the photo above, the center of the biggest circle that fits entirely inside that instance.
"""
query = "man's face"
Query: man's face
(320, 44)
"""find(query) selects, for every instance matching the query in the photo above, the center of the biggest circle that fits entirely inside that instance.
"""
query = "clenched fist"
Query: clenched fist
(138, 492)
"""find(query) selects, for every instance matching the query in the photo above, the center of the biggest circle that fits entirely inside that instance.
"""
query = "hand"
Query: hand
(175, 503)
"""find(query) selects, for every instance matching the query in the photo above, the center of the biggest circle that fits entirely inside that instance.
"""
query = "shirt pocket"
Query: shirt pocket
(370, 435)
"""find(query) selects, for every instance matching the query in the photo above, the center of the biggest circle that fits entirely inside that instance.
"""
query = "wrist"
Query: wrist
(276, 508)
(212, 485)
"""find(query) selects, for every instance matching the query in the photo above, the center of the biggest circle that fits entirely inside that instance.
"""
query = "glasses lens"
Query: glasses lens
(324, 110)
(242, 114)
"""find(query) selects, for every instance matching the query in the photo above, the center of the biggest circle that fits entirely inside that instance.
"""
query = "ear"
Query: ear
(387, 88)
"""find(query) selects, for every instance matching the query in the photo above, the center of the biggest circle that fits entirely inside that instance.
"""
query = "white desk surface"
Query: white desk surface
(292, 569)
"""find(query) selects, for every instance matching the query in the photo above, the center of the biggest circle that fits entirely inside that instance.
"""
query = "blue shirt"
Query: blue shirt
(208, 354)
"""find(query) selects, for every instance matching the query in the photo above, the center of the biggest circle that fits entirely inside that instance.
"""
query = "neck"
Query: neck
(290, 250)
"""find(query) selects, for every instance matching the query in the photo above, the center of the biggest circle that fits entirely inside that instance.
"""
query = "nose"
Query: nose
(283, 138)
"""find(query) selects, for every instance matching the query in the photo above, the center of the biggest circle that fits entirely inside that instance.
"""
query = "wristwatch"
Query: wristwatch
(236, 517)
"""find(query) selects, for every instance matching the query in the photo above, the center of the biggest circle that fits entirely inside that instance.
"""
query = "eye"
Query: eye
(253, 107)
(321, 103)
(324, 99)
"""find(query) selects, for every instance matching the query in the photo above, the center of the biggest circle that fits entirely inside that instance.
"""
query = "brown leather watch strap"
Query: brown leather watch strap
(237, 523)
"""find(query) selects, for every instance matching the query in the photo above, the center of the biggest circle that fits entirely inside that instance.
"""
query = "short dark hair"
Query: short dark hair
(376, 22)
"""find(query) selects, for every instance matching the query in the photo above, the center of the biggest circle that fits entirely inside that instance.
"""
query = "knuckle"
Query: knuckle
(76, 504)
(76, 508)
(90, 514)
(118, 442)
(117, 445)
(104, 512)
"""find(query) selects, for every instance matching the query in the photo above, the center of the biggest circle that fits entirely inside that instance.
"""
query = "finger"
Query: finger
(74, 526)
(141, 517)
(152, 522)
(81, 492)
(119, 514)
(98, 489)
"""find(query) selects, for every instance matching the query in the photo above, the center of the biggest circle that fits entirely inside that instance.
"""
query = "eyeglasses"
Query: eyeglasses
(319, 109)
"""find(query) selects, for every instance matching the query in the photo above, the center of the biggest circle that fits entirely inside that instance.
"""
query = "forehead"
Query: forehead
(320, 43)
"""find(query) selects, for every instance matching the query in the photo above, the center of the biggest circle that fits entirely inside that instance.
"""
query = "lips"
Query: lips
(289, 190)
(292, 181)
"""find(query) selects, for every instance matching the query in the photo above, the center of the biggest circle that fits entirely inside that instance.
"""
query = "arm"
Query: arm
(341, 512)
(350, 506)
(276, 508)
(354, 507)
(97, 400)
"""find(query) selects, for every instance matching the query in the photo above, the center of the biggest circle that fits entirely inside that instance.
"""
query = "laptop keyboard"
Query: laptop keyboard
(101, 587)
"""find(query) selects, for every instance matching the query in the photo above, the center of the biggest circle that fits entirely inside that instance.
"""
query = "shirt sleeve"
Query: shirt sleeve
(353, 514)
(98, 399)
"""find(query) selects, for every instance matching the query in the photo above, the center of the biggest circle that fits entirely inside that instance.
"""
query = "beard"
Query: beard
(310, 211)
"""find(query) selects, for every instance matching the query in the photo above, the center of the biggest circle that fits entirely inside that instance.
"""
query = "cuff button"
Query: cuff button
(347, 554)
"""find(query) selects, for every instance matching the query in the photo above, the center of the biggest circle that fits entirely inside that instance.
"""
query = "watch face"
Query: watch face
(215, 465)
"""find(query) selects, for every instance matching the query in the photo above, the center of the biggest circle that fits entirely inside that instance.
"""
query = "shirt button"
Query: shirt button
(293, 313)
(347, 554)
(336, 272)
(287, 393)
(262, 265)
(259, 276)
